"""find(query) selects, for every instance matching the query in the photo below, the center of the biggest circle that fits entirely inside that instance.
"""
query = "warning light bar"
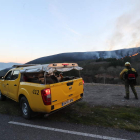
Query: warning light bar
(65, 64)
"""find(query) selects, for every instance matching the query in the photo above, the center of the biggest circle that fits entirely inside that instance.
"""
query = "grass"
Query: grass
(117, 117)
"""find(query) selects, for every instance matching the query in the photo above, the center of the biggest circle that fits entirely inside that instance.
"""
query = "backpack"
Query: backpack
(131, 76)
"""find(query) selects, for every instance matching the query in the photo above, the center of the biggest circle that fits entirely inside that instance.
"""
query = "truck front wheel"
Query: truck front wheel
(2, 97)
(25, 108)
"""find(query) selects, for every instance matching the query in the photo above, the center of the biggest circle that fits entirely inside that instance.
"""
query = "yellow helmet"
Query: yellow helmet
(127, 64)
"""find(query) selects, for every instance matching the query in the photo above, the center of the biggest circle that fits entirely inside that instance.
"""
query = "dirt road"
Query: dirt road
(109, 95)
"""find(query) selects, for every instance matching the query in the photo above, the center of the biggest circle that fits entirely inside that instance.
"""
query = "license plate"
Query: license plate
(67, 102)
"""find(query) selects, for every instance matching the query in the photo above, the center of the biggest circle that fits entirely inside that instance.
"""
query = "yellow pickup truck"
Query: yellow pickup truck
(42, 88)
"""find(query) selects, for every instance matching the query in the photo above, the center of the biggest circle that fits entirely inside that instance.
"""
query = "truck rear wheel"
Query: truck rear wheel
(25, 108)
(2, 97)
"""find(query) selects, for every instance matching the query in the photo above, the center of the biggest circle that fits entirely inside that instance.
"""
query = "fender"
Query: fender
(0, 86)
(24, 92)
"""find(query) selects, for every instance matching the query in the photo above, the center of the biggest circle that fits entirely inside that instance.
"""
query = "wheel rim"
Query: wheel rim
(25, 108)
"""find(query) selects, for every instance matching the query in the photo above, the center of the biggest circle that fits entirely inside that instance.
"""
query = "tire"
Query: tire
(25, 108)
(2, 97)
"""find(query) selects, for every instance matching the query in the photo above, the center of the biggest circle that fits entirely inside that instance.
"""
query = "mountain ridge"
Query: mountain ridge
(81, 56)
(7, 65)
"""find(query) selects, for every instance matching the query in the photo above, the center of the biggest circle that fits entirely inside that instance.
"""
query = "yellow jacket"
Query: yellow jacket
(125, 70)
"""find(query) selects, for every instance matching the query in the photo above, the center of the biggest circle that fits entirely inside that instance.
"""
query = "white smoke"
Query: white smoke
(127, 31)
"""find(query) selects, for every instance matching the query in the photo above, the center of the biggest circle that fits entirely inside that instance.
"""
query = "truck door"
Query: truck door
(5, 83)
(14, 84)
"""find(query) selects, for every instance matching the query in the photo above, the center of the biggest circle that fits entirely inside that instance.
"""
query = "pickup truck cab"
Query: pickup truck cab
(42, 88)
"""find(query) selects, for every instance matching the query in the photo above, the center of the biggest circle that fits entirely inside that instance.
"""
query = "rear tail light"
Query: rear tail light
(46, 96)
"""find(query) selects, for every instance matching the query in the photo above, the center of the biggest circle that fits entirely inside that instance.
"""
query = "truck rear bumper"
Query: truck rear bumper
(47, 114)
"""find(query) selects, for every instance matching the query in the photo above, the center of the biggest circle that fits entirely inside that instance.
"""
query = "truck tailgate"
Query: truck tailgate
(65, 92)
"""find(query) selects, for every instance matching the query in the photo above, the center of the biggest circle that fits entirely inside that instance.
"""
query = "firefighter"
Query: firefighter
(129, 75)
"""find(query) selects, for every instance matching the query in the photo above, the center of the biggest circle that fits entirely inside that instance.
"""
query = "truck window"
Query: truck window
(30, 77)
(69, 75)
(8, 76)
(74, 73)
(15, 75)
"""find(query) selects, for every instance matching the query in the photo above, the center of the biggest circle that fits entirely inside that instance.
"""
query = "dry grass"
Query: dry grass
(118, 117)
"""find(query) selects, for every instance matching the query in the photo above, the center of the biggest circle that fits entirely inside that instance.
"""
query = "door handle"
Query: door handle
(15, 85)
(7, 84)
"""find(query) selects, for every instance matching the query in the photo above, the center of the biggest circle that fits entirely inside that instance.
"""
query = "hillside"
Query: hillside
(4, 67)
(7, 65)
(82, 56)
(107, 70)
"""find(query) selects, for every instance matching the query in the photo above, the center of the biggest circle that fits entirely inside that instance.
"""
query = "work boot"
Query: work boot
(126, 97)
(136, 98)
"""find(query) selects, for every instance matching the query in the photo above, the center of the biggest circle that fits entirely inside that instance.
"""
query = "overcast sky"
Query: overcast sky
(31, 29)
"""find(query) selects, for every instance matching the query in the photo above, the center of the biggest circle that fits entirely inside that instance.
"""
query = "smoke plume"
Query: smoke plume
(127, 32)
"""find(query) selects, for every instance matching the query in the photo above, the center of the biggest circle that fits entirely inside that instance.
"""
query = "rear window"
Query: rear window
(73, 73)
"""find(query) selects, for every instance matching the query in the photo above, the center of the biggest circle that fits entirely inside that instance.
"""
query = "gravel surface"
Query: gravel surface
(109, 95)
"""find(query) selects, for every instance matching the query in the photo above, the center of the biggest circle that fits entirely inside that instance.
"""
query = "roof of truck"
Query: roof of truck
(50, 65)
(49, 68)
(24, 65)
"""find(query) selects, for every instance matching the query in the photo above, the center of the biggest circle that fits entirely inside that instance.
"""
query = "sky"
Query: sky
(30, 29)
